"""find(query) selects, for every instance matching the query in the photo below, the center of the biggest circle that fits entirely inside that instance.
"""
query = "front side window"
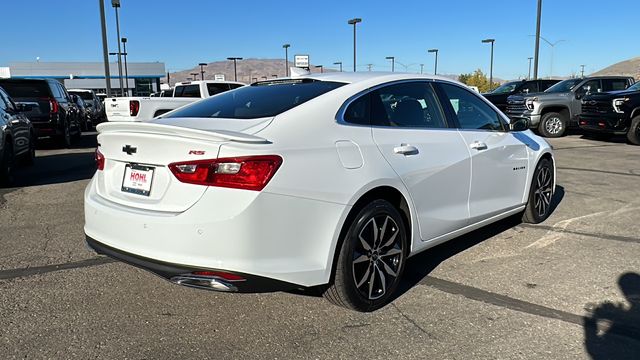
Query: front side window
(563, 86)
(506, 88)
(265, 99)
(411, 104)
(591, 86)
(529, 87)
(472, 112)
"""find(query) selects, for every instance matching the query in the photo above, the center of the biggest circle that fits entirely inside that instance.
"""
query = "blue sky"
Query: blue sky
(183, 33)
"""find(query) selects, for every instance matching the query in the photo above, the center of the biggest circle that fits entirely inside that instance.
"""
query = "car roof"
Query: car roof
(79, 90)
(367, 76)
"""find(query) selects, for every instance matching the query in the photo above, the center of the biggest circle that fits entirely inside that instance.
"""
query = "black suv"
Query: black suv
(613, 113)
(499, 96)
(52, 112)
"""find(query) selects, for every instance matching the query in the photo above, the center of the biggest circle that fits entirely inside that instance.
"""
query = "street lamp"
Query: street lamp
(338, 63)
(202, 70)
(435, 66)
(126, 68)
(421, 68)
(582, 71)
(353, 22)
(105, 47)
(195, 76)
(286, 58)
(486, 41)
(537, 49)
(529, 76)
(235, 69)
(321, 68)
(393, 62)
(116, 5)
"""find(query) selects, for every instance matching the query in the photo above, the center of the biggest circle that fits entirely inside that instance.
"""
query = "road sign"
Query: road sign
(301, 61)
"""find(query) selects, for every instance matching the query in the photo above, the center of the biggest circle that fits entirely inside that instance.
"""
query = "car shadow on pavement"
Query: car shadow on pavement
(612, 329)
(421, 265)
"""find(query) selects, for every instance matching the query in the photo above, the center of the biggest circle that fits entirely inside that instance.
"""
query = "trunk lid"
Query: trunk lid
(147, 148)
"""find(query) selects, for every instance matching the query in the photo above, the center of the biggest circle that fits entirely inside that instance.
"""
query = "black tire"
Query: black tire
(370, 262)
(6, 164)
(633, 135)
(552, 125)
(30, 156)
(540, 194)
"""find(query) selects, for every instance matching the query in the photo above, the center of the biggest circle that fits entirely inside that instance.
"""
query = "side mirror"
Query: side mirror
(525, 91)
(519, 124)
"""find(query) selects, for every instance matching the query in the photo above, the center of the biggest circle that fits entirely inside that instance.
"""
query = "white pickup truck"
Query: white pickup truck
(146, 108)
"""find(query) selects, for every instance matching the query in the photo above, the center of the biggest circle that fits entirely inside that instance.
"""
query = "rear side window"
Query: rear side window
(265, 99)
(187, 91)
(358, 111)
(614, 84)
(26, 89)
(472, 112)
(214, 89)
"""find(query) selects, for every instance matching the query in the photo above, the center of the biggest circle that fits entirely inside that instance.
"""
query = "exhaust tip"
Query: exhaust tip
(204, 282)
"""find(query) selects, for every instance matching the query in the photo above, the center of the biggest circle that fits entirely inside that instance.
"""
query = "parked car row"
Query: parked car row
(17, 136)
(604, 105)
(147, 108)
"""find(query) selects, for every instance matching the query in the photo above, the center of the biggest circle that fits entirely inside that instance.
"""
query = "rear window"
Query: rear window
(259, 100)
(187, 91)
(26, 89)
(84, 95)
(214, 89)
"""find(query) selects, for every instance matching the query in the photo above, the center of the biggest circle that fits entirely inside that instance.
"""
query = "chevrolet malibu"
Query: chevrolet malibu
(325, 181)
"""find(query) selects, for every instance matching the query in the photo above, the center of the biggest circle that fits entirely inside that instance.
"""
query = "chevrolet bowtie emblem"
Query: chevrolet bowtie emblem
(129, 149)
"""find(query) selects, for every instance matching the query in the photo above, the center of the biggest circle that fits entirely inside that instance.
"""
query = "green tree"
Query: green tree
(477, 78)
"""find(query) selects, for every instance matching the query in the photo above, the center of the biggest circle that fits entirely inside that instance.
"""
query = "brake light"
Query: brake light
(53, 106)
(247, 173)
(99, 160)
(134, 107)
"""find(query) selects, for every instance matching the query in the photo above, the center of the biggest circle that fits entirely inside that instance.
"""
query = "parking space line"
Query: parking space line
(16, 273)
(522, 306)
(582, 233)
(597, 171)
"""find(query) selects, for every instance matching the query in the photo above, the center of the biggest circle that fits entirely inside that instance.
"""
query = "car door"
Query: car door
(411, 131)
(499, 160)
(592, 86)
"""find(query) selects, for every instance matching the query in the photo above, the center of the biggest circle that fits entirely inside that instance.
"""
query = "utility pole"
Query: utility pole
(421, 67)
(105, 50)
(529, 76)
(582, 71)
(353, 22)
(537, 50)
(116, 6)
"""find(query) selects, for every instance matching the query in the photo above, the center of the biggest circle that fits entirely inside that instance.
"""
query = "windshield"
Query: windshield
(259, 100)
(506, 88)
(26, 89)
(634, 87)
(563, 86)
(84, 95)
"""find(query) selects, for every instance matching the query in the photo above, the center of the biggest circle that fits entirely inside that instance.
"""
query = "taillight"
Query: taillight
(53, 106)
(248, 173)
(99, 160)
(134, 107)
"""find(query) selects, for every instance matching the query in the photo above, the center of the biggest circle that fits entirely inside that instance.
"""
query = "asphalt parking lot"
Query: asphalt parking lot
(565, 289)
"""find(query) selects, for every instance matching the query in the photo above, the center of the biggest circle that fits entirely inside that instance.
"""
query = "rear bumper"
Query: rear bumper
(177, 273)
(284, 238)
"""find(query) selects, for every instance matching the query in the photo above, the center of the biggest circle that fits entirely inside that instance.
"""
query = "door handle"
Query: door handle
(478, 145)
(405, 149)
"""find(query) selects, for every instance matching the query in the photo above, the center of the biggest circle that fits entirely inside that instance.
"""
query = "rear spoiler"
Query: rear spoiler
(179, 131)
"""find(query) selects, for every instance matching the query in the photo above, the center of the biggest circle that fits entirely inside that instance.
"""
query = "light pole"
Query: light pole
(105, 50)
(321, 68)
(338, 63)
(195, 76)
(393, 62)
(421, 68)
(435, 66)
(582, 71)
(537, 49)
(369, 66)
(202, 70)
(353, 22)
(116, 5)
(553, 47)
(126, 68)
(486, 41)
(529, 76)
(235, 69)
(286, 58)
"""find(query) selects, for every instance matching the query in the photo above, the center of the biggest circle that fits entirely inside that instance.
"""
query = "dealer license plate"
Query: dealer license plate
(137, 179)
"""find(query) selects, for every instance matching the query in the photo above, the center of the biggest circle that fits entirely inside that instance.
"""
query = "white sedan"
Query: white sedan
(325, 180)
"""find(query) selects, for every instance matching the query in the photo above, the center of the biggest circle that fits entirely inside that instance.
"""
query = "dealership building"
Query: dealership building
(139, 78)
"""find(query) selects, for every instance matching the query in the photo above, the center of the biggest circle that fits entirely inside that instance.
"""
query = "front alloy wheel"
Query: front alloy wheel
(371, 259)
(540, 195)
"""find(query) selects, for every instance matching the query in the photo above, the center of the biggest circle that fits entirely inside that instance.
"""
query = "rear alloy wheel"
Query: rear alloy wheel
(6, 164)
(371, 260)
(633, 135)
(552, 125)
(540, 194)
